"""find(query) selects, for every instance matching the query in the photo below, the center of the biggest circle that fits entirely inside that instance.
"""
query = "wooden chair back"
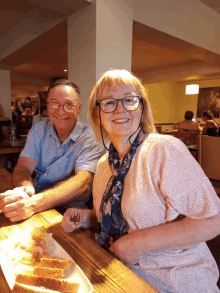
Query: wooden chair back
(209, 156)
(158, 128)
(187, 135)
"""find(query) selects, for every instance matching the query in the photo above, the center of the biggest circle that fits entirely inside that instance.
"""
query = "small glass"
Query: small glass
(13, 131)
(6, 133)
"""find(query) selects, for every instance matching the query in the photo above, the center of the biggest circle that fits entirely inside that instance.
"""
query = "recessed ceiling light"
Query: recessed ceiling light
(65, 69)
(192, 89)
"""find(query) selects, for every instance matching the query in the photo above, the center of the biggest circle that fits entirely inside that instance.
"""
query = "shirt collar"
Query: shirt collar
(74, 134)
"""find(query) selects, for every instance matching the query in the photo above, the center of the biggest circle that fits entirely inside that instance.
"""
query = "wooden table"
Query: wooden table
(12, 147)
(10, 151)
(105, 272)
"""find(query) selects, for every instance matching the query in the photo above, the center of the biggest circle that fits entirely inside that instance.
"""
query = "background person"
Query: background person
(3, 121)
(62, 151)
(27, 104)
(154, 205)
(35, 110)
(16, 111)
(188, 125)
(211, 127)
(43, 115)
(17, 117)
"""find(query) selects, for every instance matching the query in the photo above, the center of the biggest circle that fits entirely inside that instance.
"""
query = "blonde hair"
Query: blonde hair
(108, 81)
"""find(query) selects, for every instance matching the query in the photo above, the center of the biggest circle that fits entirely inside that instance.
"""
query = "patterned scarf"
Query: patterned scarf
(111, 223)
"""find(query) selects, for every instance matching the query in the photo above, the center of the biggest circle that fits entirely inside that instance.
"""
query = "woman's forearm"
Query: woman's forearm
(177, 235)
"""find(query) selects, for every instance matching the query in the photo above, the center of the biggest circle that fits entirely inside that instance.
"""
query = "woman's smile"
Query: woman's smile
(120, 121)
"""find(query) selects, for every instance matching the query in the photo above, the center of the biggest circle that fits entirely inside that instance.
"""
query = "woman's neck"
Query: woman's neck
(122, 144)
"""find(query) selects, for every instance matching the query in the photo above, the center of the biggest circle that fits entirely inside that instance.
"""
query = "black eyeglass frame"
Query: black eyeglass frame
(98, 103)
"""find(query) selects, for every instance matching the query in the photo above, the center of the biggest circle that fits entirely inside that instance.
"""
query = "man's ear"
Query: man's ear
(79, 108)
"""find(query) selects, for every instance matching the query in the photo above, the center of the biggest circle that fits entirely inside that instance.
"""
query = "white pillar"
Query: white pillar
(99, 38)
(5, 93)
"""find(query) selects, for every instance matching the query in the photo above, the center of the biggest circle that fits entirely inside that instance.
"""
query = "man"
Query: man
(27, 103)
(63, 152)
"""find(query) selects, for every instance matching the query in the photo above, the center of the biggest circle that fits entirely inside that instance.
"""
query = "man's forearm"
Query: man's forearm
(22, 177)
(63, 193)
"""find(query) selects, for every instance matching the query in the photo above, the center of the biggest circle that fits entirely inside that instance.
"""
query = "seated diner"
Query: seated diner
(211, 126)
(189, 126)
(61, 152)
(154, 208)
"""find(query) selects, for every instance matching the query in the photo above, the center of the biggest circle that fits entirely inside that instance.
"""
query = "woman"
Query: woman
(211, 127)
(17, 111)
(43, 115)
(17, 117)
(168, 208)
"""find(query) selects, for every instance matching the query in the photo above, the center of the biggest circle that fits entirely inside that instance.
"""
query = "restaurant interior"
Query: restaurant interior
(167, 44)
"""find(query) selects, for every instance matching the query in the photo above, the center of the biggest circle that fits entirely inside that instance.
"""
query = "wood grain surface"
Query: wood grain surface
(105, 272)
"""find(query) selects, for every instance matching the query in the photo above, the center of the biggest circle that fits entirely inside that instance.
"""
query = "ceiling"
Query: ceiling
(156, 56)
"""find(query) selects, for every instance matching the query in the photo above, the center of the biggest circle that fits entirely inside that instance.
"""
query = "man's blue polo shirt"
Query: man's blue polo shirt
(57, 162)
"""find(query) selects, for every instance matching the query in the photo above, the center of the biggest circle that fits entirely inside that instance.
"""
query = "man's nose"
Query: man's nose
(61, 109)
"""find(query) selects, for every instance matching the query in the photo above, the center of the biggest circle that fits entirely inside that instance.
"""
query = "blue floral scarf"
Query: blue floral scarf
(111, 223)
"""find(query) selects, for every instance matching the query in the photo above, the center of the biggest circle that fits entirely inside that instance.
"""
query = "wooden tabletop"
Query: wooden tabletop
(12, 147)
(105, 272)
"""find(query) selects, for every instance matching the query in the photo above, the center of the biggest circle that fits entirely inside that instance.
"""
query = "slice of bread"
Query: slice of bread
(54, 263)
(48, 283)
(20, 288)
(49, 272)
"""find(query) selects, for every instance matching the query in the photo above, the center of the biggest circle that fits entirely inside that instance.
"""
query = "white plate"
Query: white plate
(73, 274)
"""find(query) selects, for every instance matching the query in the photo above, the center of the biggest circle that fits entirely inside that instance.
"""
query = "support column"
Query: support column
(99, 38)
(5, 93)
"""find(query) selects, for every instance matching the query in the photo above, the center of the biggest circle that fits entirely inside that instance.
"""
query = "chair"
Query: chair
(209, 159)
(4, 161)
(158, 128)
(188, 137)
(209, 156)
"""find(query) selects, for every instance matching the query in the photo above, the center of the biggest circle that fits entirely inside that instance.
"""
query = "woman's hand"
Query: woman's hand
(127, 249)
(75, 218)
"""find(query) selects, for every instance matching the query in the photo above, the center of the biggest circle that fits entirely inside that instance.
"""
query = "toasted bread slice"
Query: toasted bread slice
(54, 263)
(48, 283)
(21, 288)
(49, 272)
(32, 270)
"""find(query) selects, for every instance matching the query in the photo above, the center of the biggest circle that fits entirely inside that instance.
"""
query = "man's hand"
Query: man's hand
(81, 217)
(18, 204)
(127, 250)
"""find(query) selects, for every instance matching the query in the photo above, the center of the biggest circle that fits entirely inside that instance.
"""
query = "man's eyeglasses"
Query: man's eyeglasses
(68, 107)
(109, 105)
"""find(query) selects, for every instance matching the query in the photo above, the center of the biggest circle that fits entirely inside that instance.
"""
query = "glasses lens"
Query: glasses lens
(131, 103)
(108, 105)
(68, 107)
(54, 106)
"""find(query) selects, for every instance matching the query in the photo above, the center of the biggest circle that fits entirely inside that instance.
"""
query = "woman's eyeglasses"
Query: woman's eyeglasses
(68, 107)
(109, 105)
